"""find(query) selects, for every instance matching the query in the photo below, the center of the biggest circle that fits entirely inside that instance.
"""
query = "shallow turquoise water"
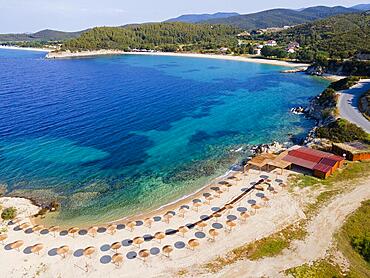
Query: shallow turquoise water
(114, 136)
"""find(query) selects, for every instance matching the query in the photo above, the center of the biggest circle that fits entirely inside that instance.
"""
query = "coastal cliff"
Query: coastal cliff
(341, 68)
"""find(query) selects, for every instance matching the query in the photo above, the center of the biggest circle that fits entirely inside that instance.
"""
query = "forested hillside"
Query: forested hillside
(281, 17)
(337, 37)
(44, 35)
(160, 36)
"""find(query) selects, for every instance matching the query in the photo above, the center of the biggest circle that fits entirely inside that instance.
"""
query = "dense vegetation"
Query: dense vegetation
(364, 104)
(337, 37)
(342, 131)
(161, 36)
(345, 83)
(196, 18)
(280, 17)
(9, 213)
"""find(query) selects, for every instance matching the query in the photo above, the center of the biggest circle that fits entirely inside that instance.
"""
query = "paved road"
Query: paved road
(348, 104)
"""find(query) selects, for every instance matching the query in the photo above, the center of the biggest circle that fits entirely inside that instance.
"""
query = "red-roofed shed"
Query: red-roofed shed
(322, 164)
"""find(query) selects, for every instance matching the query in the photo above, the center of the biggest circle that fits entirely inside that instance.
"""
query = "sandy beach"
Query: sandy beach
(280, 210)
(64, 55)
(260, 223)
(25, 48)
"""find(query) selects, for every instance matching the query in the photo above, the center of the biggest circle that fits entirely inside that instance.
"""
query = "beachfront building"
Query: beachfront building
(320, 164)
(353, 151)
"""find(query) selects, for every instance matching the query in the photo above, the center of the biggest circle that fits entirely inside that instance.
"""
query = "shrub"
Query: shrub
(9, 213)
(362, 246)
(342, 131)
(344, 83)
(327, 97)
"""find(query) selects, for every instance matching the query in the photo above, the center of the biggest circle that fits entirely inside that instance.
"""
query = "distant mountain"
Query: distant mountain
(281, 17)
(196, 18)
(362, 7)
(44, 35)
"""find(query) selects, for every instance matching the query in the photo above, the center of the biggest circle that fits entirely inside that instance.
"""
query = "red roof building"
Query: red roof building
(322, 164)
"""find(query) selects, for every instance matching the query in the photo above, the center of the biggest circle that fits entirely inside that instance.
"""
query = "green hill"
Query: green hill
(161, 36)
(338, 37)
(281, 17)
(44, 35)
(195, 18)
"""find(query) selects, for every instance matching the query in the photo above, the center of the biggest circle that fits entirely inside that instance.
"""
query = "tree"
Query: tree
(9, 213)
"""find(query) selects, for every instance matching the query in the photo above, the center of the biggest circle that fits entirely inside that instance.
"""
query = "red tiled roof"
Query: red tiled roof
(328, 161)
(300, 161)
(322, 167)
(305, 156)
(314, 152)
(312, 159)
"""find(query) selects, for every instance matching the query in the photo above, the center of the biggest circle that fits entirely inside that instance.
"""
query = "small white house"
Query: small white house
(271, 43)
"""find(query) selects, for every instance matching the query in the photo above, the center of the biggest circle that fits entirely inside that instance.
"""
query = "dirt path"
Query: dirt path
(320, 233)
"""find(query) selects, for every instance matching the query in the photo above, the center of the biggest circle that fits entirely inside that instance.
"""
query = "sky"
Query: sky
(20, 16)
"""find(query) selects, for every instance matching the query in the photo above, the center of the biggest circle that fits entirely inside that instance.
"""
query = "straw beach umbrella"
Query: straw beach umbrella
(54, 230)
(183, 230)
(218, 193)
(231, 224)
(167, 217)
(182, 211)
(255, 207)
(38, 228)
(37, 248)
(24, 226)
(144, 254)
(229, 207)
(73, 231)
(159, 236)
(63, 250)
(115, 246)
(208, 200)
(193, 243)
(3, 237)
(283, 185)
(17, 245)
(196, 206)
(89, 251)
(266, 201)
(117, 259)
(213, 233)
(112, 228)
(227, 186)
(201, 225)
(138, 241)
(167, 249)
(131, 225)
(93, 231)
(244, 216)
(217, 215)
(148, 222)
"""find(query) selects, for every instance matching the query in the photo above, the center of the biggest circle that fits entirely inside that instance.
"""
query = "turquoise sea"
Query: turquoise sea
(114, 136)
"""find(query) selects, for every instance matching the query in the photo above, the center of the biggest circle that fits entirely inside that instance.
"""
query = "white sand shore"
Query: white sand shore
(64, 55)
(282, 210)
(25, 48)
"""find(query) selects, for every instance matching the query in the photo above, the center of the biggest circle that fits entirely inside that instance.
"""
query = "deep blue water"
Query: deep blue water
(113, 136)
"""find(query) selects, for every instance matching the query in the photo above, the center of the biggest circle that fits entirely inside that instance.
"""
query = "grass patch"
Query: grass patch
(357, 226)
(266, 247)
(320, 269)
